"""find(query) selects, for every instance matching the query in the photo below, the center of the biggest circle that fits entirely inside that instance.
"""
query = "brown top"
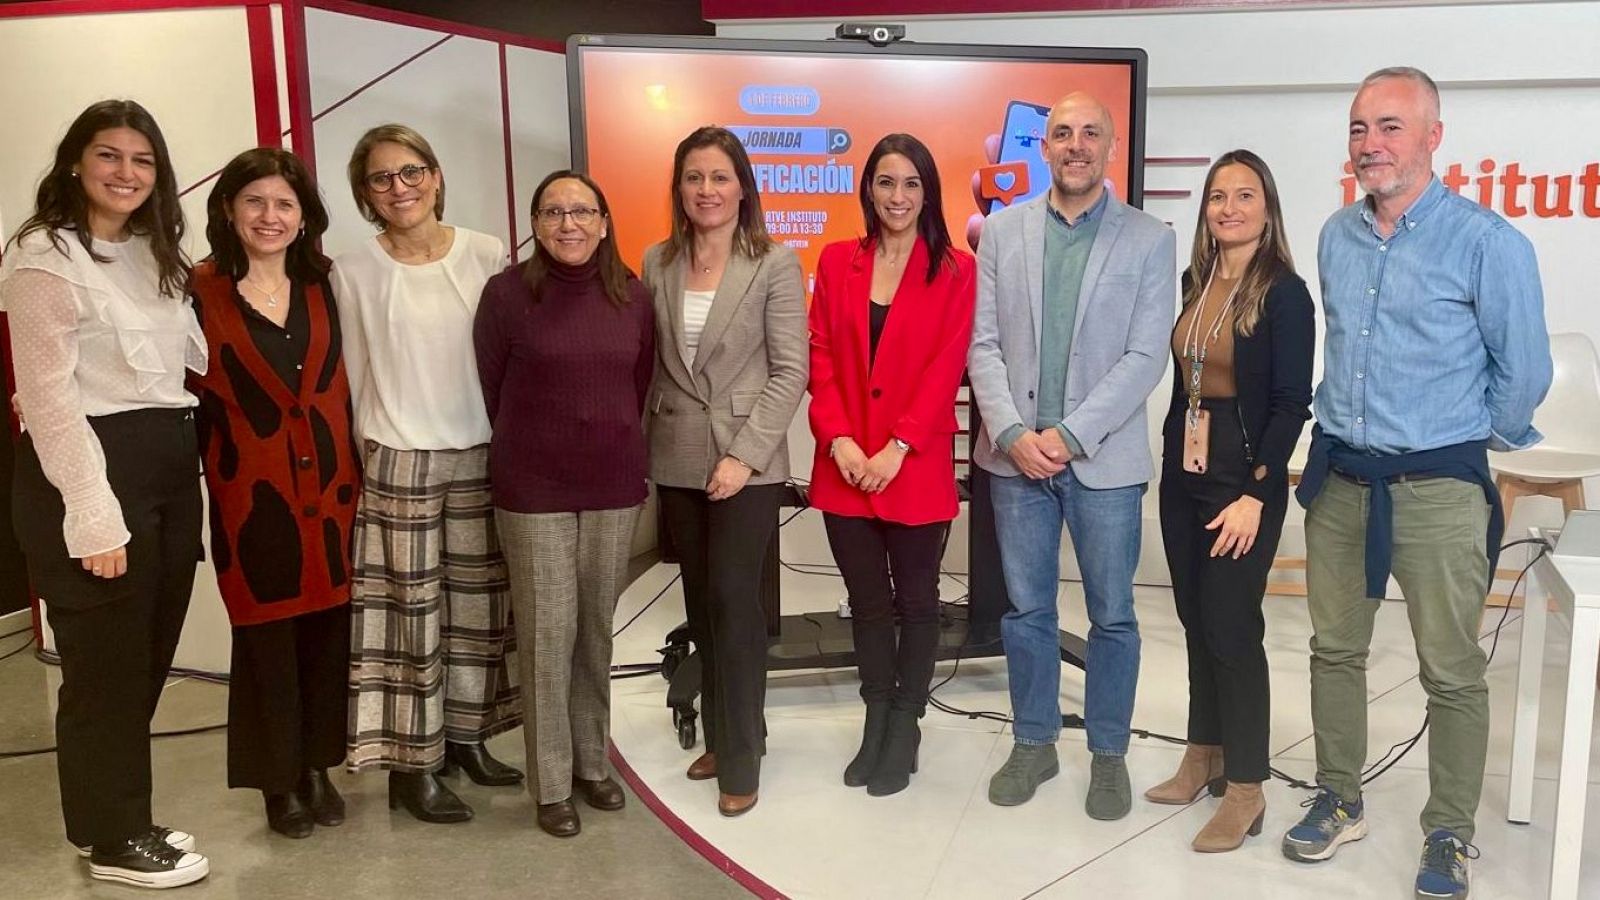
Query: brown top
(1216, 378)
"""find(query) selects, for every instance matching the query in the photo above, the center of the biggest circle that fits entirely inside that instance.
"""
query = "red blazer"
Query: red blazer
(909, 392)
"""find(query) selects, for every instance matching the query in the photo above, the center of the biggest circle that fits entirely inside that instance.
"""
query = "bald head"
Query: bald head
(1079, 140)
(1083, 107)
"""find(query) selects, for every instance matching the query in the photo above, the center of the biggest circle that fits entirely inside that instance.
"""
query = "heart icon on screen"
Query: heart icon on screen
(1004, 181)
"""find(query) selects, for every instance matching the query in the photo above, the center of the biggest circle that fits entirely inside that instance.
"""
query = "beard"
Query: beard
(1396, 181)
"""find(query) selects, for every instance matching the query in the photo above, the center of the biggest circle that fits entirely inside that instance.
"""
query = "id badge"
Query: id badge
(1197, 442)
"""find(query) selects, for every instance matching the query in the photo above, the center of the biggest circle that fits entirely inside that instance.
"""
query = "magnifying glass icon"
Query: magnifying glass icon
(838, 140)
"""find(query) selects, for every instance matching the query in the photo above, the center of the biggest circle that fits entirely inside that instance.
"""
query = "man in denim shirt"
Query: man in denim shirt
(1436, 351)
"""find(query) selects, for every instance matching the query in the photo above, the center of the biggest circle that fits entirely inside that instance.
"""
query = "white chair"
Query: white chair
(1570, 421)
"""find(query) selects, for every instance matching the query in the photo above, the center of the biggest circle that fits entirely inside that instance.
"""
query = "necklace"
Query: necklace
(1196, 343)
(428, 249)
(272, 295)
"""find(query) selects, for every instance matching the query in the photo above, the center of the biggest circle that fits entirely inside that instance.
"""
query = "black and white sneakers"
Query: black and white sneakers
(149, 861)
(180, 839)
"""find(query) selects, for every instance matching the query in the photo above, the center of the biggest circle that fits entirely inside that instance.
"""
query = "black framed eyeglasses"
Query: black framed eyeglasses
(551, 216)
(410, 176)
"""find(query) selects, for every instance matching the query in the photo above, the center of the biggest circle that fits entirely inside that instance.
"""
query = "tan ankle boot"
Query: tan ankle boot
(1242, 809)
(1201, 766)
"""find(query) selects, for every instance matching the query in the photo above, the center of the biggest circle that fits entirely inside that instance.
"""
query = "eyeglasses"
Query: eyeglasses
(410, 176)
(551, 216)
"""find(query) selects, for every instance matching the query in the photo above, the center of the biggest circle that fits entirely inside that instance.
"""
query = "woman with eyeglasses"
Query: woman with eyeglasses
(430, 601)
(731, 366)
(566, 346)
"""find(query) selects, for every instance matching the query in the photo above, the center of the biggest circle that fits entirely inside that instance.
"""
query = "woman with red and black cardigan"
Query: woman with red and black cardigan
(281, 471)
(566, 349)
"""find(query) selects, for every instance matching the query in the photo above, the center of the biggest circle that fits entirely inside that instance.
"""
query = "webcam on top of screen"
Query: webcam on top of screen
(878, 35)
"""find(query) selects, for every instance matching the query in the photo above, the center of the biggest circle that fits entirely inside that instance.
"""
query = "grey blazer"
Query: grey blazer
(1120, 342)
(748, 375)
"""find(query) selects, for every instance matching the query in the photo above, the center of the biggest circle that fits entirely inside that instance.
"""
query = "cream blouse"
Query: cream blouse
(92, 339)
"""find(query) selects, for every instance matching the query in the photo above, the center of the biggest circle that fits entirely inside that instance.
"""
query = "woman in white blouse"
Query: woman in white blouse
(106, 493)
(431, 600)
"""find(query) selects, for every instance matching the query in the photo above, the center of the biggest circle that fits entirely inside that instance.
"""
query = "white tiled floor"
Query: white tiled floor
(812, 837)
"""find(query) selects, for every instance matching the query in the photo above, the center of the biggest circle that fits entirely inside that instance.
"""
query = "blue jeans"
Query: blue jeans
(1104, 526)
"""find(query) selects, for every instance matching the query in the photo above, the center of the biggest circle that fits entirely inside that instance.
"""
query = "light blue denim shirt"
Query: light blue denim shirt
(1435, 334)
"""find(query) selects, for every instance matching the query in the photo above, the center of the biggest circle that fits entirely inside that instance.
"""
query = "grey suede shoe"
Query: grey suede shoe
(1110, 795)
(1029, 766)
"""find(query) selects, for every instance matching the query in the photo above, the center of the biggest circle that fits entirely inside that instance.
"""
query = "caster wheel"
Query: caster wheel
(684, 723)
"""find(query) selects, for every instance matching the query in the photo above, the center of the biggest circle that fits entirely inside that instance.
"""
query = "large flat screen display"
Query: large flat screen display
(809, 112)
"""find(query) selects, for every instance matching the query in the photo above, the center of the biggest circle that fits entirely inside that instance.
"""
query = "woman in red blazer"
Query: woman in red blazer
(890, 322)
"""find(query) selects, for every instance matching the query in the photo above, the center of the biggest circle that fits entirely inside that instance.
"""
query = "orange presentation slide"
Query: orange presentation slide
(809, 120)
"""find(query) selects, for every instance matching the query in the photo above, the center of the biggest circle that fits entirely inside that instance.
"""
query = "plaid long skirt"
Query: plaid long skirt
(431, 642)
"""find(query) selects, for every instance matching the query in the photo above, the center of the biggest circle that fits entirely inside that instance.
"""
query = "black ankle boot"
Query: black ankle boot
(872, 734)
(474, 759)
(288, 815)
(425, 796)
(899, 757)
(327, 807)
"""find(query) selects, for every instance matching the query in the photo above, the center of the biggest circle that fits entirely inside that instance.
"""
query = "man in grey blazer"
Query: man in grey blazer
(1076, 292)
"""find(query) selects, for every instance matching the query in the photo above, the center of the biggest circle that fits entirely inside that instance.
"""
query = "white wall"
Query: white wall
(1519, 83)
(191, 69)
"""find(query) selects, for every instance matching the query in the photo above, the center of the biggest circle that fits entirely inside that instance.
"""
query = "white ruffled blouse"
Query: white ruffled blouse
(92, 339)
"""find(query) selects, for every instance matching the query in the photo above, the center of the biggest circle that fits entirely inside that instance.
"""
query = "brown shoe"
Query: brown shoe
(731, 805)
(704, 767)
(1201, 768)
(604, 794)
(559, 819)
(1241, 812)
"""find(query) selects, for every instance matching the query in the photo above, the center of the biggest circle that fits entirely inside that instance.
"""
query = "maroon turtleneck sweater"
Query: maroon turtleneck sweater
(564, 379)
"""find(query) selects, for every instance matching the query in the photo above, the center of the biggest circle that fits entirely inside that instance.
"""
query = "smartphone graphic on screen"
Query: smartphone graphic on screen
(1021, 139)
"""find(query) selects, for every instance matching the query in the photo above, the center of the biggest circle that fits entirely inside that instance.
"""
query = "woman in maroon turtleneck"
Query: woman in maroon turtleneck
(566, 347)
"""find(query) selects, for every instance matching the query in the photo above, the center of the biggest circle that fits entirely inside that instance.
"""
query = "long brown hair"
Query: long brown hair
(304, 263)
(750, 238)
(1270, 260)
(930, 222)
(62, 205)
(614, 273)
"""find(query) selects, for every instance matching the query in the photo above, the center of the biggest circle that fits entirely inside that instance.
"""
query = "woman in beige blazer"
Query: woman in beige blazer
(731, 363)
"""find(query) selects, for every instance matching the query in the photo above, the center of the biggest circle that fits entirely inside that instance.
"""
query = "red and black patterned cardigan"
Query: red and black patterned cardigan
(281, 470)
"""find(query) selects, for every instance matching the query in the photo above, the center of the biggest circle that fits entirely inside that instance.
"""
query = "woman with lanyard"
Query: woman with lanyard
(1241, 393)
(431, 604)
(282, 476)
(730, 368)
(106, 494)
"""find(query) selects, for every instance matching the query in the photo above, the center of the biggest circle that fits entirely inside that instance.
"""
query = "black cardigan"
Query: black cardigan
(1272, 376)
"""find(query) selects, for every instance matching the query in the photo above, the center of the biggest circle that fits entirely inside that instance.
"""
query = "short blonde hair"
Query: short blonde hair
(392, 133)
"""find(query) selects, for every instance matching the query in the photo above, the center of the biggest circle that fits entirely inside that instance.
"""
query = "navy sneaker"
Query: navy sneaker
(1329, 823)
(1445, 873)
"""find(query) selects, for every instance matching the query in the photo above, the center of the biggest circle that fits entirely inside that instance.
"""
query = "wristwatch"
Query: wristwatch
(904, 447)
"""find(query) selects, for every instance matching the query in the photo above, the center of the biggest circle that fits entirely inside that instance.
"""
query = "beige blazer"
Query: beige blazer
(741, 391)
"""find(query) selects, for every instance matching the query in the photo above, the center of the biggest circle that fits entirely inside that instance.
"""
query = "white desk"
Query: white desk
(1571, 580)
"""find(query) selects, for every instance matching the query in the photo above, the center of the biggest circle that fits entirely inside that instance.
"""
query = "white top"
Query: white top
(696, 309)
(92, 339)
(408, 342)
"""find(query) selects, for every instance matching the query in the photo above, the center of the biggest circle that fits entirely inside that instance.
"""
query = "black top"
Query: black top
(1272, 374)
(879, 316)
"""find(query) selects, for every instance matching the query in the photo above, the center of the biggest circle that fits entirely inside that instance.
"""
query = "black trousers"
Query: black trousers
(720, 548)
(891, 572)
(1219, 598)
(287, 699)
(116, 637)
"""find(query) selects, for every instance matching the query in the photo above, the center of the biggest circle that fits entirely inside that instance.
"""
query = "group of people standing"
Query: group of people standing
(412, 447)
